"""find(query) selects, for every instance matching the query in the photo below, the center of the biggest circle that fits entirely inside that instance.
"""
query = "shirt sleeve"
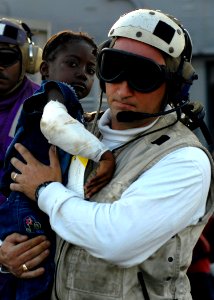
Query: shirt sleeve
(69, 134)
(163, 201)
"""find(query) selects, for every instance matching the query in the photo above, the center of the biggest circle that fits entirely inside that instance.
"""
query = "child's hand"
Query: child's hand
(100, 176)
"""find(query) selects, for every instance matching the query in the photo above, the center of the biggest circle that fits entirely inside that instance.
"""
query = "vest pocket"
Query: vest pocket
(88, 274)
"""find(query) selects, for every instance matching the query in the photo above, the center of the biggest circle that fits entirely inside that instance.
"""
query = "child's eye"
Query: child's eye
(91, 71)
(71, 63)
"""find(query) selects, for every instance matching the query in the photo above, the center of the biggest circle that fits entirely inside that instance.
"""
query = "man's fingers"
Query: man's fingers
(16, 238)
(16, 187)
(32, 274)
(32, 259)
(33, 248)
(24, 153)
(32, 264)
(18, 164)
(37, 260)
(27, 156)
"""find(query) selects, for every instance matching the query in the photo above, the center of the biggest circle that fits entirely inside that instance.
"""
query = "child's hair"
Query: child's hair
(58, 41)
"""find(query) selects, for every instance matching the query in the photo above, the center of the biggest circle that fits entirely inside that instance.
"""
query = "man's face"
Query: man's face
(121, 97)
(74, 65)
(9, 75)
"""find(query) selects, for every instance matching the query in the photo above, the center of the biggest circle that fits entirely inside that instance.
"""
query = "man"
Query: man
(18, 55)
(133, 239)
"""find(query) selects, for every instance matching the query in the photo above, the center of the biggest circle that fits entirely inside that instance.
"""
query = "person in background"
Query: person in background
(134, 238)
(200, 272)
(68, 67)
(18, 56)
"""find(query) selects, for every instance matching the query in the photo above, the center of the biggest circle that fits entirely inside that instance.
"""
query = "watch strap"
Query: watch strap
(42, 185)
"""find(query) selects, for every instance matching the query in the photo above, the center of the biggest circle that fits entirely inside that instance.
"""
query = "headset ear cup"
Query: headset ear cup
(34, 59)
(188, 72)
(103, 45)
(179, 84)
(189, 75)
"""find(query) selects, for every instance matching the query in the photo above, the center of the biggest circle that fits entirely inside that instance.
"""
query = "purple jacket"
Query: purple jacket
(9, 111)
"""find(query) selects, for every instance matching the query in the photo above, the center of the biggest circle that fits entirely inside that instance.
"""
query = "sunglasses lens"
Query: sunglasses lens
(8, 57)
(142, 74)
(111, 66)
(145, 75)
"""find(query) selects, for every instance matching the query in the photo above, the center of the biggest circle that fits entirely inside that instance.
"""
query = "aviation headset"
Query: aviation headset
(165, 33)
(15, 32)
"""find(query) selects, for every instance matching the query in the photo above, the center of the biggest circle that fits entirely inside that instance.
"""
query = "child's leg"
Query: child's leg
(18, 214)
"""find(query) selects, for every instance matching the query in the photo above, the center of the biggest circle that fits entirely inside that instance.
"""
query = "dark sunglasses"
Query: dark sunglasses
(141, 73)
(9, 57)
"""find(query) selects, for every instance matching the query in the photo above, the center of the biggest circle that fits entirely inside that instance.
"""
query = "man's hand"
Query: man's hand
(100, 176)
(33, 172)
(17, 250)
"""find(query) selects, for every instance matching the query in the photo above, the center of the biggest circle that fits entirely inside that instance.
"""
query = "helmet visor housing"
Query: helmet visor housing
(142, 74)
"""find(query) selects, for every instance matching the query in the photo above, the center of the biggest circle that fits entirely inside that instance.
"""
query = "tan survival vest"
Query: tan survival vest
(163, 275)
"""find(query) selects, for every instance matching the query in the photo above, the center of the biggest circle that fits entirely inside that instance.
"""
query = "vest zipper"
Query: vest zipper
(143, 285)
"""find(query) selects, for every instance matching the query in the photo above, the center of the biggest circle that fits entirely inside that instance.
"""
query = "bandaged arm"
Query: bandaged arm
(69, 134)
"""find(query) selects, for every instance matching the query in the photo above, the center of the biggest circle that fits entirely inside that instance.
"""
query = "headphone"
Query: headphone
(169, 36)
(105, 44)
(17, 33)
(31, 53)
(182, 75)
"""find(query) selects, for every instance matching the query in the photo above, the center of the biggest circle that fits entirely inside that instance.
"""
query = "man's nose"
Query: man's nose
(124, 90)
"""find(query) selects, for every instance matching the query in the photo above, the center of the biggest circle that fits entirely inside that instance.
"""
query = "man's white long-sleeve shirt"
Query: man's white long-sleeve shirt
(161, 202)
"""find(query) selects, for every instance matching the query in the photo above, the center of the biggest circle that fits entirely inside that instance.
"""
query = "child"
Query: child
(68, 60)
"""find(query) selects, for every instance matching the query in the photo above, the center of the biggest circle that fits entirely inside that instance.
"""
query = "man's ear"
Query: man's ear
(44, 69)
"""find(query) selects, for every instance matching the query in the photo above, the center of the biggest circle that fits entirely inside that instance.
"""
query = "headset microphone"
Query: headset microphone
(131, 116)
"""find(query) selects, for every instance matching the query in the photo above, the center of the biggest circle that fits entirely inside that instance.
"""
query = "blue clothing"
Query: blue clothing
(18, 213)
(9, 111)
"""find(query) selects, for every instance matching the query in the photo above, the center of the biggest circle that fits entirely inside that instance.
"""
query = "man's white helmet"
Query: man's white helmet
(165, 33)
(151, 27)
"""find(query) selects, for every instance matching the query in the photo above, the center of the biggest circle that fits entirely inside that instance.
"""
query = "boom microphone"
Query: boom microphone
(131, 116)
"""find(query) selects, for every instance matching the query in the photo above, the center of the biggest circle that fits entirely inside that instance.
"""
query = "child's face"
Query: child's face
(74, 65)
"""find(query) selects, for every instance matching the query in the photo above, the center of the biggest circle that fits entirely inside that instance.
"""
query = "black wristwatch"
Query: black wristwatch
(39, 187)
